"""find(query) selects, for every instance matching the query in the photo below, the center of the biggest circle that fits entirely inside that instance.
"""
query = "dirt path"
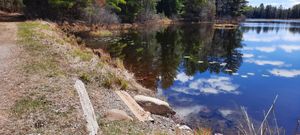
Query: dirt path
(8, 63)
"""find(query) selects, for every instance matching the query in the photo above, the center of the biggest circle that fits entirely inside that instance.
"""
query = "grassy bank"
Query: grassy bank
(49, 104)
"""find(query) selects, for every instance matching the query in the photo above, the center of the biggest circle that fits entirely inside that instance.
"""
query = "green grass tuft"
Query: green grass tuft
(83, 54)
(120, 128)
(85, 77)
(44, 60)
(111, 80)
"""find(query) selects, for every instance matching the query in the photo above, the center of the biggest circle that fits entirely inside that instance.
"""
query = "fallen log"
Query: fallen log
(87, 107)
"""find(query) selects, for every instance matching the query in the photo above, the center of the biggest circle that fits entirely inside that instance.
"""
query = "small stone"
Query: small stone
(117, 115)
(184, 127)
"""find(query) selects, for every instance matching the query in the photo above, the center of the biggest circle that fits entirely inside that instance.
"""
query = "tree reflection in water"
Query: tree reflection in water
(154, 55)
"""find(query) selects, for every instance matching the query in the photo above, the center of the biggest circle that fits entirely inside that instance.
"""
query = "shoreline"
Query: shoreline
(51, 61)
(108, 29)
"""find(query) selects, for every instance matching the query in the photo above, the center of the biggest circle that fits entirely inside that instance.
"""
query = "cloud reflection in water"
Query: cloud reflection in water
(285, 73)
(213, 85)
(265, 62)
(187, 111)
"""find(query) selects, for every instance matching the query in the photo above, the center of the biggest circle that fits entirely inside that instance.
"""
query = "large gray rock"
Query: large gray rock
(154, 105)
(117, 115)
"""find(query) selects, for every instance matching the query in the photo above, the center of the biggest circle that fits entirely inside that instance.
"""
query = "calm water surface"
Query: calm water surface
(207, 74)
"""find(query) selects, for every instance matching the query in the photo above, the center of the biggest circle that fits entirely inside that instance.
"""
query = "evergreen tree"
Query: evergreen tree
(273, 12)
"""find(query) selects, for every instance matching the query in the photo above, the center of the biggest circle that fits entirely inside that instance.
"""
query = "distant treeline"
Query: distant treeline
(111, 11)
(273, 12)
(11, 5)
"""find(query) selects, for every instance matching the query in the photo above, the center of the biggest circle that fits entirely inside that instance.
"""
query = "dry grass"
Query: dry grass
(268, 126)
(29, 105)
(203, 131)
(48, 101)
(84, 55)
(101, 33)
(121, 128)
(50, 105)
(112, 80)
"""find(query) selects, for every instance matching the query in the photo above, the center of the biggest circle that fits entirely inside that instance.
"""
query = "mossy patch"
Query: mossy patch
(27, 105)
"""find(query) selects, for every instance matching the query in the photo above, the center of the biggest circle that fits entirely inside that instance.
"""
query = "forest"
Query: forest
(128, 11)
(273, 12)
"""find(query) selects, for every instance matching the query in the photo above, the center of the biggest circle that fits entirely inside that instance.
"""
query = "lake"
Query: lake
(207, 74)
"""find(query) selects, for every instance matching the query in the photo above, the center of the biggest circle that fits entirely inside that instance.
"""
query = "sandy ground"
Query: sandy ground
(8, 74)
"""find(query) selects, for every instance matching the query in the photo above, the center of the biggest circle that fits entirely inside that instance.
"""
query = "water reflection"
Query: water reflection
(154, 56)
(207, 74)
(267, 26)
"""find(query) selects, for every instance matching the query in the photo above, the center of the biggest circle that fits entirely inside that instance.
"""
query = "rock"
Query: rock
(183, 130)
(154, 105)
(184, 127)
(117, 115)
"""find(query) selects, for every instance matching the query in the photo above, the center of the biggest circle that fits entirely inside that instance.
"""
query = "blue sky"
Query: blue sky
(285, 3)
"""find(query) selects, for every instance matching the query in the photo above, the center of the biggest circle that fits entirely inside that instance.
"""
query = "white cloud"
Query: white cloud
(271, 37)
(235, 74)
(270, 49)
(294, 2)
(182, 77)
(285, 73)
(209, 90)
(214, 85)
(247, 55)
(266, 62)
(225, 112)
(256, 38)
(252, 74)
(263, 75)
(244, 76)
(186, 111)
(185, 90)
(266, 49)
(290, 48)
(290, 38)
(285, 3)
